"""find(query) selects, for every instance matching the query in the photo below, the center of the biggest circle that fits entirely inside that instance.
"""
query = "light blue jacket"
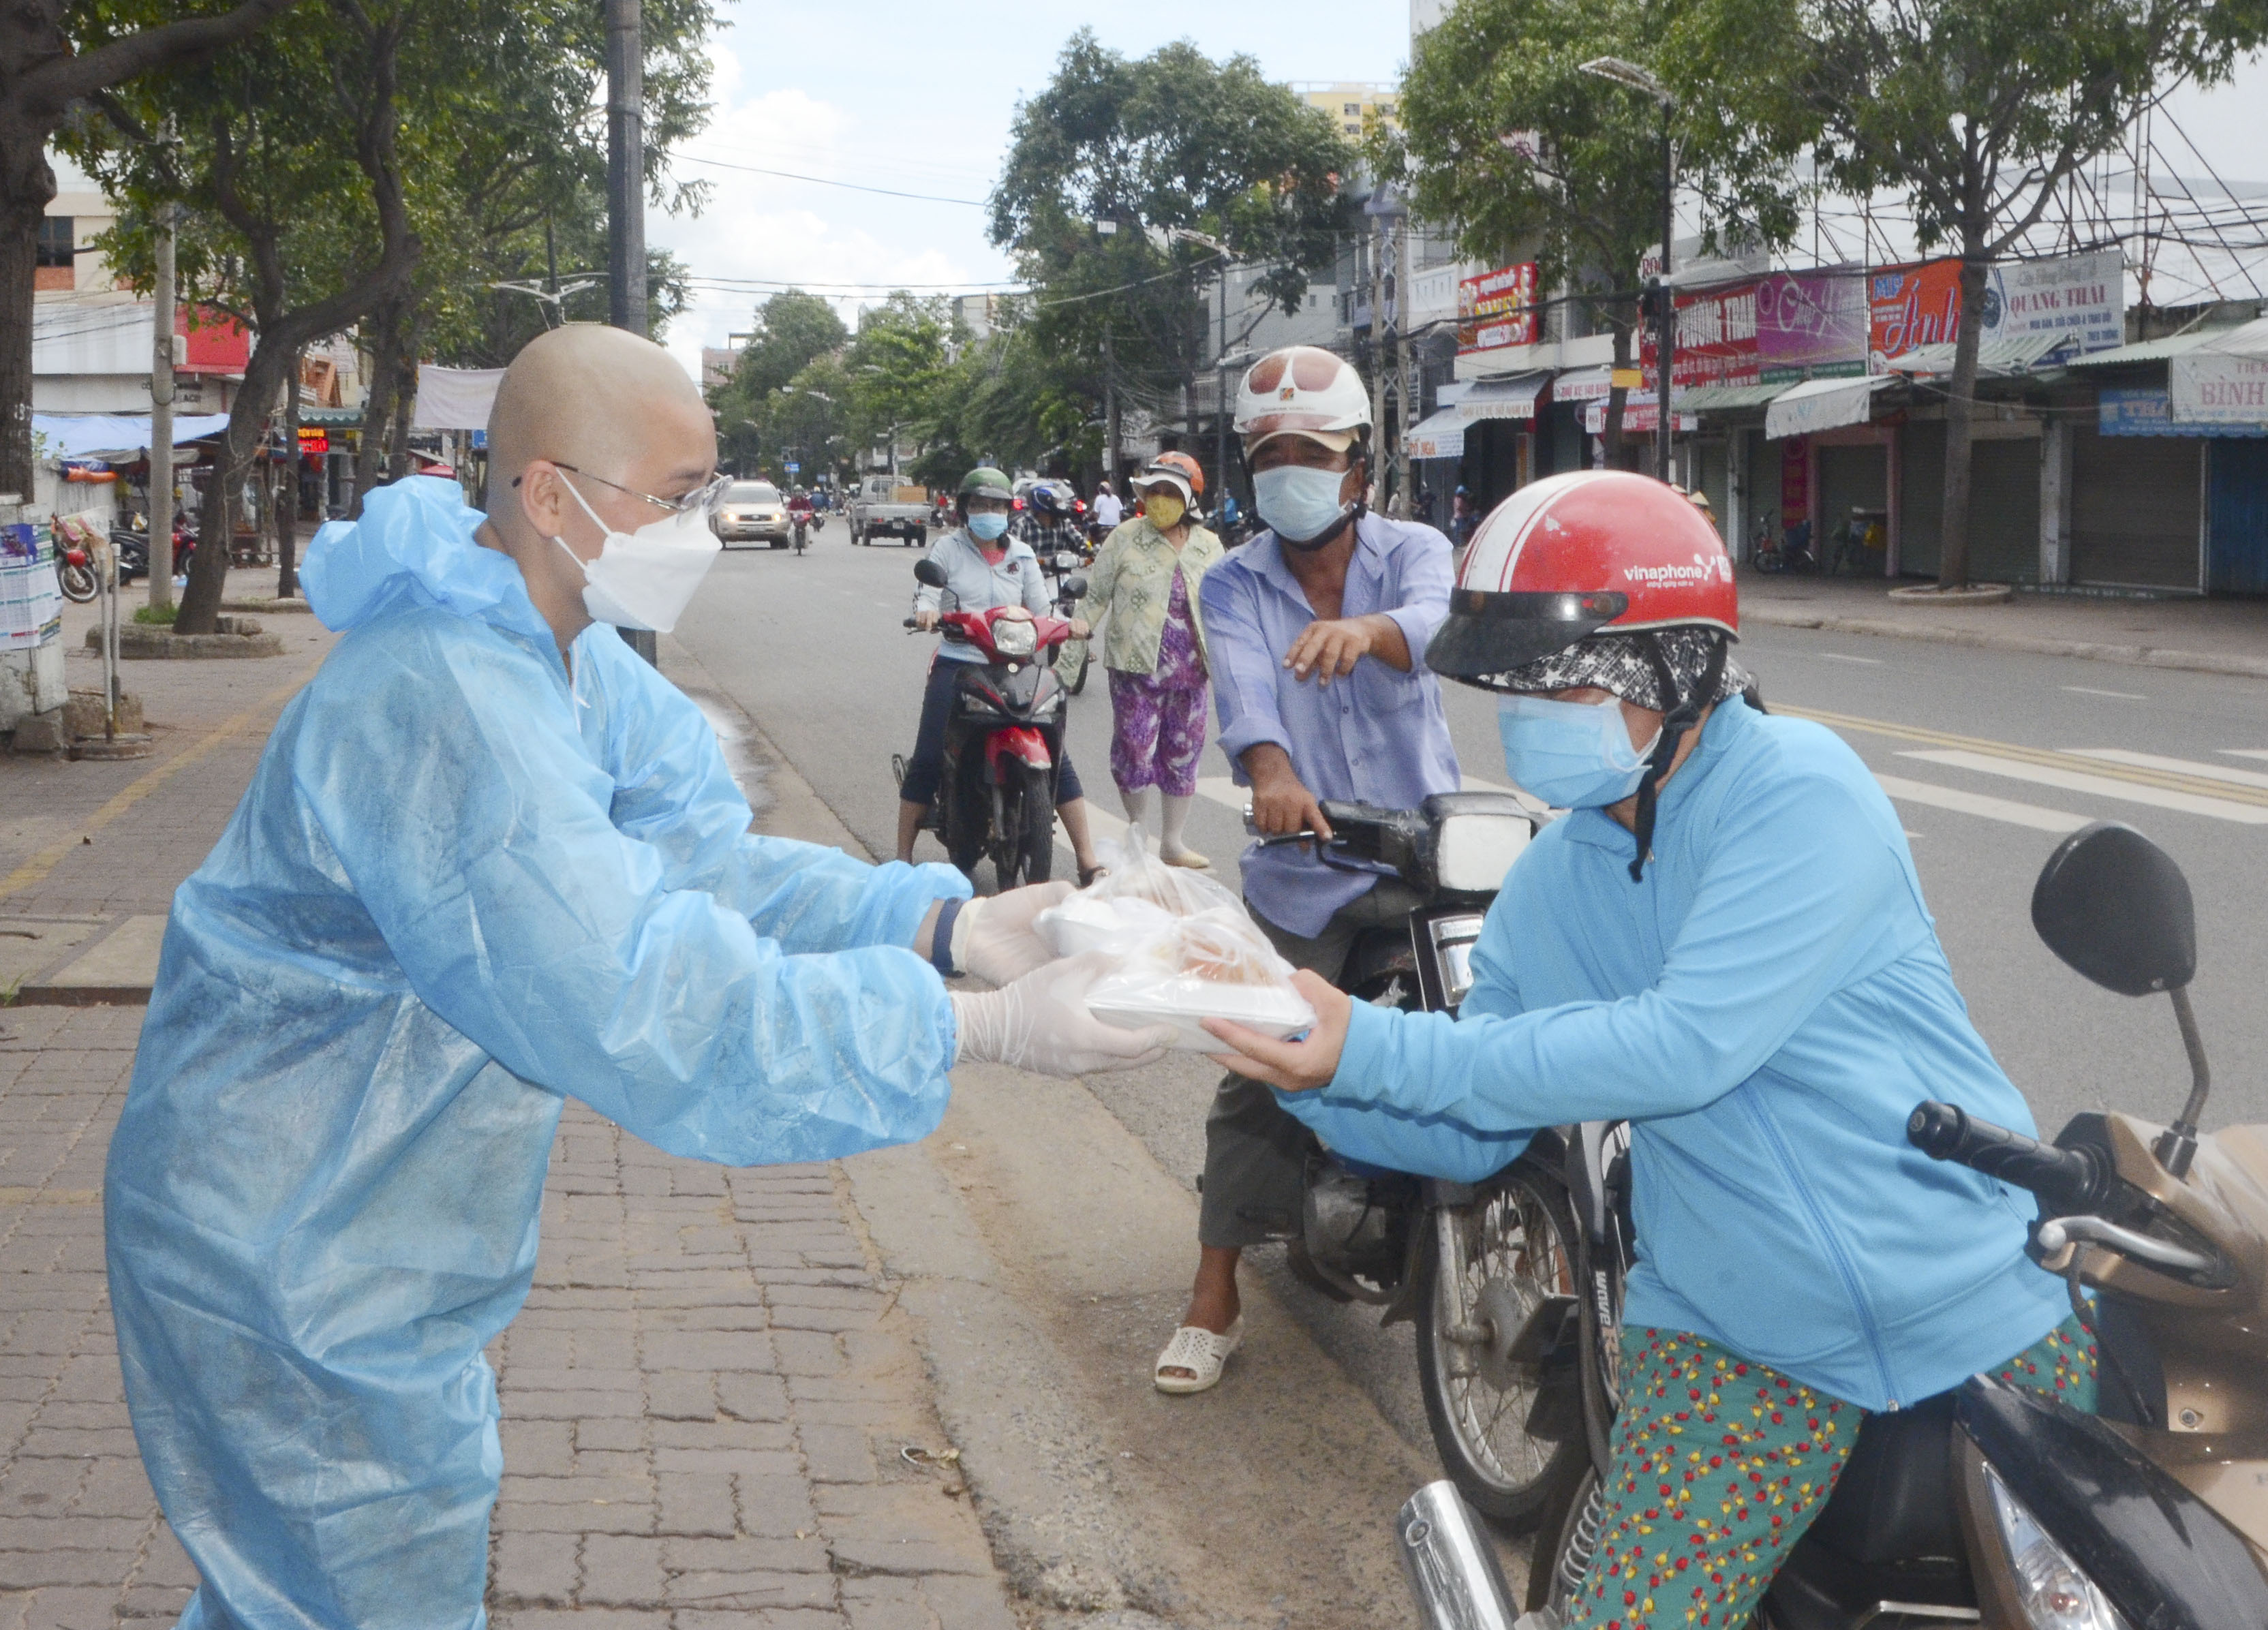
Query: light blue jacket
(1767, 1007)
(455, 895)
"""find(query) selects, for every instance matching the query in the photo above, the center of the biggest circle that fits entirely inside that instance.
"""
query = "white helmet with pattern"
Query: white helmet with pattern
(1302, 390)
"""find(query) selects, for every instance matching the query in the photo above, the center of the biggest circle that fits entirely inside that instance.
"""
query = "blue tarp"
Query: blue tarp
(90, 435)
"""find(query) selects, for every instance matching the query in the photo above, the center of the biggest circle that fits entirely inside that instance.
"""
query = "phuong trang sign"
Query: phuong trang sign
(1496, 309)
(1779, 329)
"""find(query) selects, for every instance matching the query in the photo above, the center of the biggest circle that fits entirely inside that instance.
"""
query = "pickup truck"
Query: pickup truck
(883, 507)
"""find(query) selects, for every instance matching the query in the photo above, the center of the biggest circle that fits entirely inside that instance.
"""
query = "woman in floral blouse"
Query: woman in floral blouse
(1145, 580)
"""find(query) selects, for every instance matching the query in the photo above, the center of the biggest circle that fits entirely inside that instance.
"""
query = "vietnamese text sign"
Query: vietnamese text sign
(1779, 330)
(2083, 295)
(2218, 387)
(1496, 309)
(1909, 307)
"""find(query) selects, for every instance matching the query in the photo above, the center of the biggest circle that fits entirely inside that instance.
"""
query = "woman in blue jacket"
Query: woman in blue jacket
(1724, 942)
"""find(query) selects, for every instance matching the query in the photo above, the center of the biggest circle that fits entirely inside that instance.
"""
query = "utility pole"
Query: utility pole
(1220, 398)
(161, 418)
(1110, 422)
(1403, 359)
(1666, 311)
(626, 199)
(1378, 348)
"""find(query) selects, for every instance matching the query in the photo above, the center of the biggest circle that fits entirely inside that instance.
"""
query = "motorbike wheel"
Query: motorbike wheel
(969, 814)
(77, 581)
(1037, 854)
(1485, 1410)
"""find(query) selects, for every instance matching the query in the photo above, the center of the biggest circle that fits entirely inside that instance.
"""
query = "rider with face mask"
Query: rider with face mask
(1723, 942)
(983, 568)
(1314, 632)
(489, 860)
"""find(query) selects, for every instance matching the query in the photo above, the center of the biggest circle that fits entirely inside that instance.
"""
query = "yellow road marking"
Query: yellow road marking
(36, 869)
(2170, 781)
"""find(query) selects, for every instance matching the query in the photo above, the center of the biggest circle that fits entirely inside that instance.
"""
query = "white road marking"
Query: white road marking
(2244, 752)
(2185, 767)
(2089, 690)
(2099, 786)
(1872, 662)
(1979, 804)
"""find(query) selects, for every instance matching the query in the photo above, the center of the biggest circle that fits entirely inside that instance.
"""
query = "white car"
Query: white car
(752, 511)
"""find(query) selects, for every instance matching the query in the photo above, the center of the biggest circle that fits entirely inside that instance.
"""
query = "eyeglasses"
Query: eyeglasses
(707, 497)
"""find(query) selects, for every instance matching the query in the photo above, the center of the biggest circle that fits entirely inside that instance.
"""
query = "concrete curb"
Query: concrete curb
(291, 603)
(143, 641)
(1999, 639)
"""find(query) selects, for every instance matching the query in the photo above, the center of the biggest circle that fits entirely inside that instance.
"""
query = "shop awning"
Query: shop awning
(93, 435)
(1439, 434)
(2015, 354)
(1724, 398)
(1504, 398)
(1641, 416)
(1821, 405)
(332, 418)
(1582, 385)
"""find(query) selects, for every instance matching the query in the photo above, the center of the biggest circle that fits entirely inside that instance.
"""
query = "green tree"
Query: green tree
(898, 368)
(1172, 143)
(793, 329)
(1977, 111)
(1524, 155)
(806, 421)
(56, 56)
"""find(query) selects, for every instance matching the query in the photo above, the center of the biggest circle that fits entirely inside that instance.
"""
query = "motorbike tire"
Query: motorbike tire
(78, 582)
(969, 814)
(1481, 1431)
(1036, 854)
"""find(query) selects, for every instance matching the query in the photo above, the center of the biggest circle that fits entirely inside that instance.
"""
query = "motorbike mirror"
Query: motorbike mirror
(1075, 585)
(928, 573)
(2116, 907)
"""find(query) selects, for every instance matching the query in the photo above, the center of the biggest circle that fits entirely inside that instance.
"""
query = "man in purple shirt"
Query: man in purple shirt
(1315, 631)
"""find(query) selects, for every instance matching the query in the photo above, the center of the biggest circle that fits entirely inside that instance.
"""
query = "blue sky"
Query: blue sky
(919, 98)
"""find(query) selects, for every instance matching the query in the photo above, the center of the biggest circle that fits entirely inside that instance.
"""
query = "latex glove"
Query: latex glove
(994, 939)
(1040, 1022)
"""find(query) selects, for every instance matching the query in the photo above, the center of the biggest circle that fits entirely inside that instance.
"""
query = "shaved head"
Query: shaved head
(592, 428)
(591, 397)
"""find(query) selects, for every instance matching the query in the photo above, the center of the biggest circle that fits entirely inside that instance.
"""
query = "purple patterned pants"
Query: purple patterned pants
(1157, 734)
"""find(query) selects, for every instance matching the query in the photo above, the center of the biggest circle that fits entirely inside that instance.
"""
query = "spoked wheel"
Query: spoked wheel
(1498, 1347)
(78, 583)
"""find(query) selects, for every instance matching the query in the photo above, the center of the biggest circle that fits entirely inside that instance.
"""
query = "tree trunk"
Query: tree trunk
(1960, 412)
(19, 239)
(377, 412)
(287, 506)
(405, 406)
(1616, 397)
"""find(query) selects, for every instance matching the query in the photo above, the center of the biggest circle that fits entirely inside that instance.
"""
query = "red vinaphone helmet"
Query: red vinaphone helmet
(1572, 556)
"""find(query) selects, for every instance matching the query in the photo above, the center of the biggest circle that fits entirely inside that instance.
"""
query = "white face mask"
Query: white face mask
(645, 579)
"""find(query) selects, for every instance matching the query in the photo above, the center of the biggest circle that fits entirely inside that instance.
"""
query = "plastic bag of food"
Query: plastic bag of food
(1215, 964)
(1123, 911)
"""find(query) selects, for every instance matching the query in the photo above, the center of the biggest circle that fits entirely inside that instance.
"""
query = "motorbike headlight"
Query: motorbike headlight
(1012, 638)
(2054, 1592)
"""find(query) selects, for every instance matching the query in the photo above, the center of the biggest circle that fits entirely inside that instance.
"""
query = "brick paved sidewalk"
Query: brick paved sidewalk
(705, 1402)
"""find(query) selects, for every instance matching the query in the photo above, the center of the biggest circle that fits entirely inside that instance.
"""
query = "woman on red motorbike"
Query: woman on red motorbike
(983, 568)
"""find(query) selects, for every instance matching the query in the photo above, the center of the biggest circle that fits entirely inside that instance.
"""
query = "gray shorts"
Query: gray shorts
(1256, 1154)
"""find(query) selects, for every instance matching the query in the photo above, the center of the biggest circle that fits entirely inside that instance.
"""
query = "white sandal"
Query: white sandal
(1202, 1352)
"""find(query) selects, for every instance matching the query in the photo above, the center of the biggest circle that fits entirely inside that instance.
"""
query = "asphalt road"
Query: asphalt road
(1990, 755)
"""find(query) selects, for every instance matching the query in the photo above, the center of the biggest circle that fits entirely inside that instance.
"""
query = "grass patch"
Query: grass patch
(158, 616)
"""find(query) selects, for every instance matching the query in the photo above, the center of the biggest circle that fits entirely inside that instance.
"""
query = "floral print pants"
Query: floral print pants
(1718, 1465)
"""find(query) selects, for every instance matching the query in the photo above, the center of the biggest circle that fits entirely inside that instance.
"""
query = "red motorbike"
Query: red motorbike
(1003, 742)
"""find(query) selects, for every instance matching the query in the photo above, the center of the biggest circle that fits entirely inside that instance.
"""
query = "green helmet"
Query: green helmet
(984, 481)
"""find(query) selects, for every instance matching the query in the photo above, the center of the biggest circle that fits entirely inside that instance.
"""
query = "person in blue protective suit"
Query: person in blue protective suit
(490, 859)
(1725, 942)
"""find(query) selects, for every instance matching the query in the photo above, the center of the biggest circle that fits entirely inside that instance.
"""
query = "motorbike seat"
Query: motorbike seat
(1890, 1532)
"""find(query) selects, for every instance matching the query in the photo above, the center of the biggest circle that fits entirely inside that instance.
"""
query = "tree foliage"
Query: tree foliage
(793, 330)
(1173, 141)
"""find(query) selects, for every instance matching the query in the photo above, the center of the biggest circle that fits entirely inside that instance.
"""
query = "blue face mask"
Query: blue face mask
(1573, 755)
(986, 528)
(1299, 504)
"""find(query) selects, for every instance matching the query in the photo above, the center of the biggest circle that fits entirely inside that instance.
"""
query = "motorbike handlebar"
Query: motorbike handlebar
(2065, 1180)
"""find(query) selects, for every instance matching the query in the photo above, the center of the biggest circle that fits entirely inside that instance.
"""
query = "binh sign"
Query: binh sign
(1497, 309)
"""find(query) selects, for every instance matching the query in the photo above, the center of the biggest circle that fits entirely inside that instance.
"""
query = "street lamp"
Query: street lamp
(1221, 363)
(1636, 78)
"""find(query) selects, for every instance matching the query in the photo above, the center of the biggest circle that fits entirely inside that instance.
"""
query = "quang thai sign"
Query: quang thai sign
(1497, 309)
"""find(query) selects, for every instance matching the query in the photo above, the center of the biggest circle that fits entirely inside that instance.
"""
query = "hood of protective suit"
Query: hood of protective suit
(414, 543)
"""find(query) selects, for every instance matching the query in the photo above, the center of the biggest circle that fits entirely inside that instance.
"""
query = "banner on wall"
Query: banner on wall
(2081, 297)
(1776, 330)
(1497, 309)
(2212, 387)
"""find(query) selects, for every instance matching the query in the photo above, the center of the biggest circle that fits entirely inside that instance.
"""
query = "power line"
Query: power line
(821, 181)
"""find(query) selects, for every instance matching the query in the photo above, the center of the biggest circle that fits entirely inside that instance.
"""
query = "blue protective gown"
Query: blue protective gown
(455, 894)
(1766, 1006)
